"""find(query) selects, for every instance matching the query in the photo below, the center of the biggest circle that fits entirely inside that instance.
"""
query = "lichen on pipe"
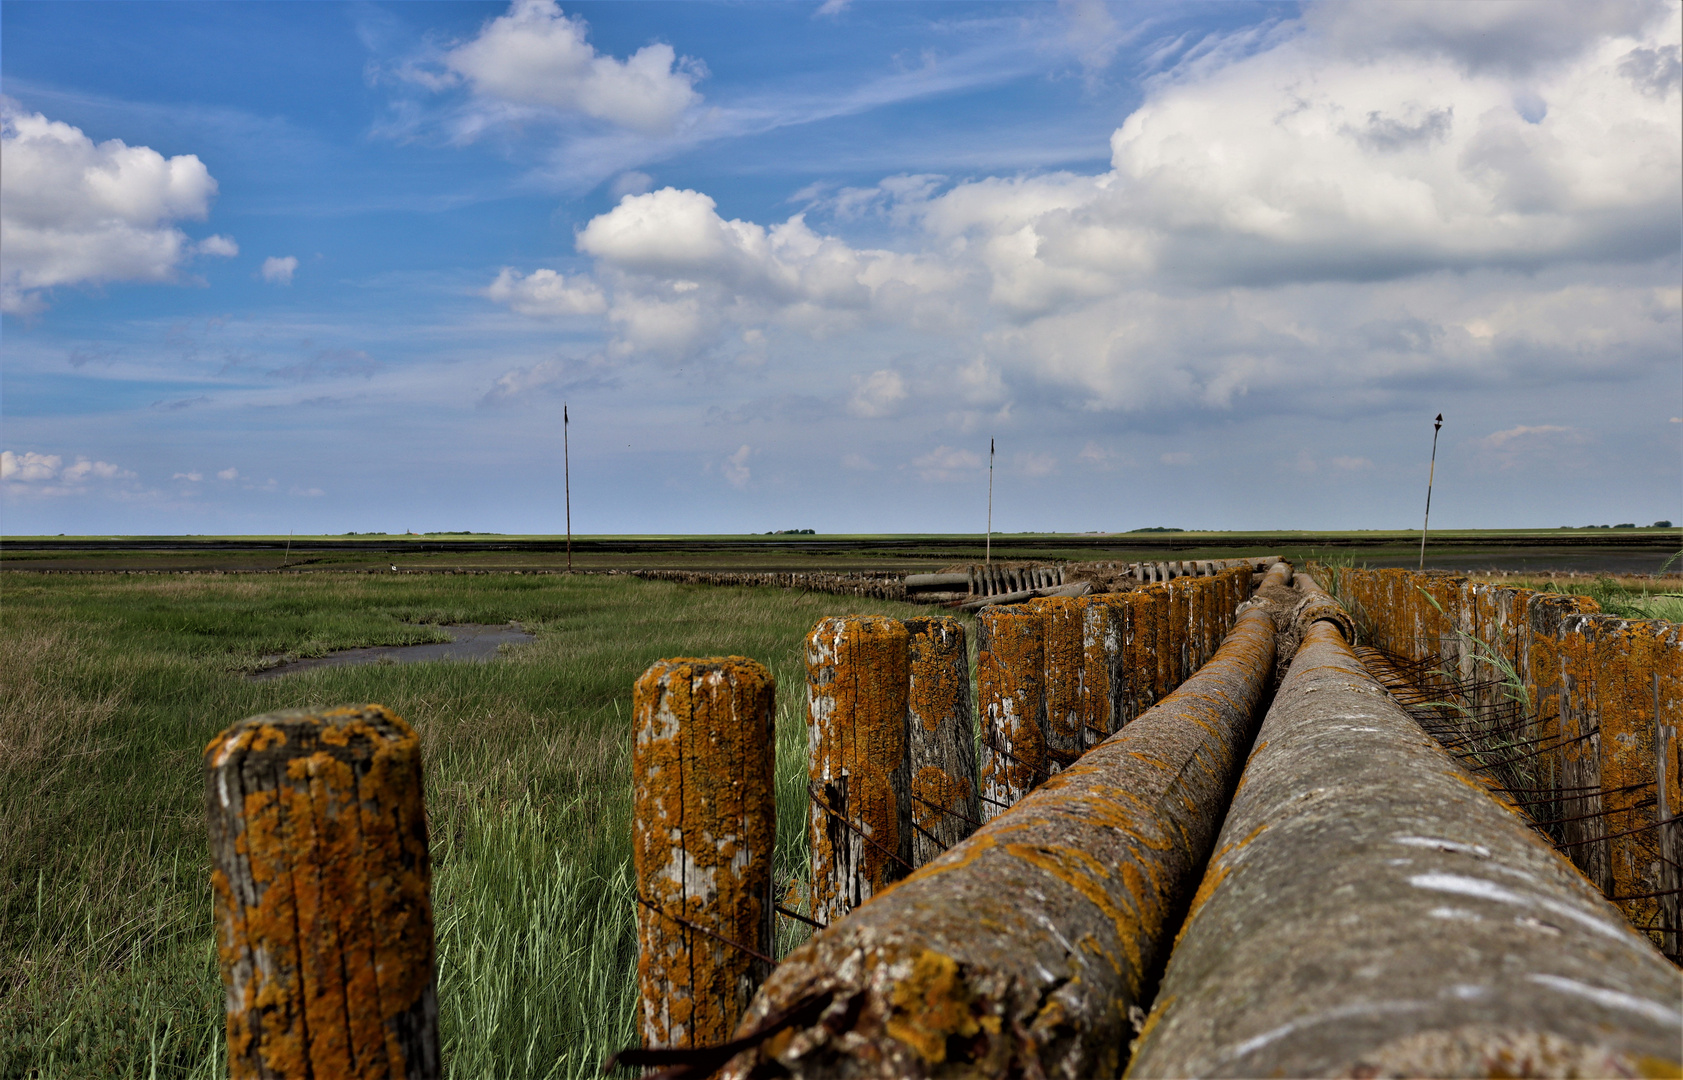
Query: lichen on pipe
(1415, 927)
(1021, 951)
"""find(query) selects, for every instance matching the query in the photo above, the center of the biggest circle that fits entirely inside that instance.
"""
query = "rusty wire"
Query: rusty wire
(695, 1062)
(798, 917)
(848, 823)
(698, 928)
(1039, 771)
(949, 811)
(1457, 714)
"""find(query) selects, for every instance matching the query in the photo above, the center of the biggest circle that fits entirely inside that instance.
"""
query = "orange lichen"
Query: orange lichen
(931, 1005)
(1161, 657)
(1102, 619)
(941, 732)
(1061, 620)
(324, 922)
(702, 767)
(1011, 704)
(858, 675)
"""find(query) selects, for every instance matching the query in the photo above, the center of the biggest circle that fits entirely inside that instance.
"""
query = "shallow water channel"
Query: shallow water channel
(467, 642)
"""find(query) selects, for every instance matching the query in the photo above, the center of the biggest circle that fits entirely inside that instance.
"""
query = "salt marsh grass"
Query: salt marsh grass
(111, 685)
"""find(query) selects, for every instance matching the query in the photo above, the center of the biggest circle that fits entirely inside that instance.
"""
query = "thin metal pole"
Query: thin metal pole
(567, 483)
(288, 556)
(987, 552)
(1431, 473)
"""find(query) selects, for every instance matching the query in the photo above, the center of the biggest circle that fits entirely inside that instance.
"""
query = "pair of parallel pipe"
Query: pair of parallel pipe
(1022, 950)
(1370, 911)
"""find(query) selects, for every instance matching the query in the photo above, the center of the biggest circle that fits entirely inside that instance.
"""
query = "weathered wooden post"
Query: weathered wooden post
(1061, 623)
(1011, 704)
(320, 882)
(857, 676)
(1667, 683)
(702, 769)
(1628, 659)
(1104, 622)
(1139, 655)
(1180, 638)
(941, 737)
(1155, 600)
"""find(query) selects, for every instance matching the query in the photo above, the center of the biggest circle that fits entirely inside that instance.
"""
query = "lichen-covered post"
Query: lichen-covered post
(860, 826)
(702, 775)
(1542, 672)
(1667, 682)
(1156, 597)
(1627, 657)
(1011, 704)
(1061, 621)
(1205, 610)
(1138, 667)
(1103, 701)
(941, 737)
(320, 883)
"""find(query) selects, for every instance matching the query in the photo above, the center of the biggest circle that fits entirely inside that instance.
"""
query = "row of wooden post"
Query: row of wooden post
(321, 870)
(896, 776)
(1605, 696)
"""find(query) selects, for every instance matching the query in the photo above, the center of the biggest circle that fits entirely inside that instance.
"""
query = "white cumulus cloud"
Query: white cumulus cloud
(31, 473)
(735, 468)
(947, 463)
(682, 275)
(76, 212)
(535, 56)
(223, 246)
(1316, 206)
(877, 394)
(1538, 433)
(546, 294)
(28, 466)
(278, 270)
(229, 473)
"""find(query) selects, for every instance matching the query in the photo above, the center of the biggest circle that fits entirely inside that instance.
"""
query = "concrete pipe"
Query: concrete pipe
(1371, 911)
(1021, 951)
(1319, 606)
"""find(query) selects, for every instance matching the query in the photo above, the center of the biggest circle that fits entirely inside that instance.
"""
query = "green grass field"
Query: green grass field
(113, 684)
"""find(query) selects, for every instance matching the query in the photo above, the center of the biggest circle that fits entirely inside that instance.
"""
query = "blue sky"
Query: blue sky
(324, 267)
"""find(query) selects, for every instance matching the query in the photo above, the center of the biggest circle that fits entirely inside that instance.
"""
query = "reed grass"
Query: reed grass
(114, 684)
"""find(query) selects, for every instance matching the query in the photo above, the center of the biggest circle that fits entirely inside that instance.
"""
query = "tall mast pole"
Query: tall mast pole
(987, 555)
(1431, 473)
(567, 484)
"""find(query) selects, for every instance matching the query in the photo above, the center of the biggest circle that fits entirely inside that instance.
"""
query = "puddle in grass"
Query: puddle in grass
(467, 642)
